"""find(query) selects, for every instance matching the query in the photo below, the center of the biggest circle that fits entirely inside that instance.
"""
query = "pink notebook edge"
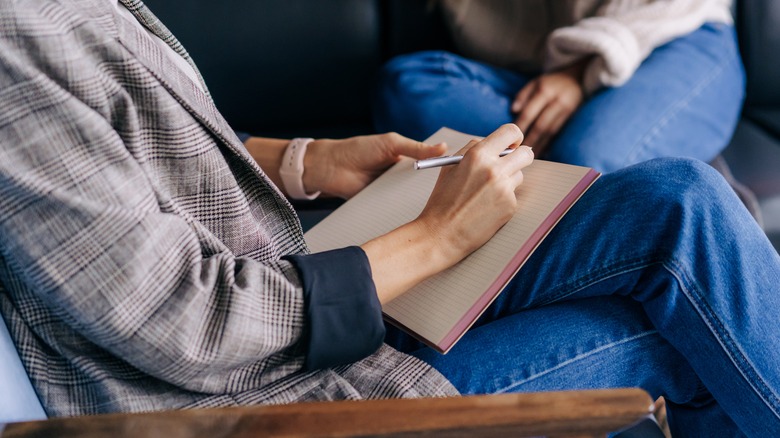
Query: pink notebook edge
(517, 262)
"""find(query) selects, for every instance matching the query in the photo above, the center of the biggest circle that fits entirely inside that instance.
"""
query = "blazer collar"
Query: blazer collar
(145, 16)
(194, 98)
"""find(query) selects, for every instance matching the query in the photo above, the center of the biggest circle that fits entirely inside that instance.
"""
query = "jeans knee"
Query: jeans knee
(410, 89)
(400, 79)
(676, 174)
(397, 73)
(692, 177)
(681, 185)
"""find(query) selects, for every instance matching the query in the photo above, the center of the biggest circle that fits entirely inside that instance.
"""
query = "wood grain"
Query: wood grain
(552, 414)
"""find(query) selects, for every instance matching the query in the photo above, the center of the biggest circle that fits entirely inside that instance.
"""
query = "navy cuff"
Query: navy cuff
(343, 311)
(243, 136)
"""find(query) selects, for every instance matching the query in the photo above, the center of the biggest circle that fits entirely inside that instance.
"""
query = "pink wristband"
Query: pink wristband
(291, 170)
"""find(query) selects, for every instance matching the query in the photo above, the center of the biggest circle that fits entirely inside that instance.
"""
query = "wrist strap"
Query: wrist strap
(291, 170)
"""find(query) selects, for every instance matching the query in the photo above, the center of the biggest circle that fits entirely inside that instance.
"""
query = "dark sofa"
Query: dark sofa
(754, 152)
(306, 68)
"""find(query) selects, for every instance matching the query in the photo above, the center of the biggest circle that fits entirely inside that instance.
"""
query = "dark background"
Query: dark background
(290, 68)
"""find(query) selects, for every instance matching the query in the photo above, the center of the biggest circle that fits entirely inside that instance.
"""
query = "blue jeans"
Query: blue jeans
(683, 101)
(658, 278)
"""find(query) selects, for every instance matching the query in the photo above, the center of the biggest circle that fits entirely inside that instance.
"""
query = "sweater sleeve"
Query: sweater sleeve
(623, 33)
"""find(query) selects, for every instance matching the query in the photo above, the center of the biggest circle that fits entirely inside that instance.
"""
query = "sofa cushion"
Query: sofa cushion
(754, 157)
(759, 37)
(277, 67)
(766, 118)
(18, 401)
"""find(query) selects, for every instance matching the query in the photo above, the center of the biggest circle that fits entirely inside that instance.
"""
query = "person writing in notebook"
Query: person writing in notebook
(151, 261)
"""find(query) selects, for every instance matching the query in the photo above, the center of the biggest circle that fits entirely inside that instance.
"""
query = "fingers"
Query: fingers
(520, 158)
(508, 135)
(556, 96)
(486, 154)
(545, 126)
(399, 145)
(531, 110)
(468, 146)
(523, 95)
(517, 161)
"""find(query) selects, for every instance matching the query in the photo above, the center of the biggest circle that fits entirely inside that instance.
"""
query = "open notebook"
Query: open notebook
(440, 310)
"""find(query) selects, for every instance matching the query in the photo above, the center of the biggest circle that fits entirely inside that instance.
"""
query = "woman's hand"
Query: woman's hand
(344, 167)
(475, 198)
(545, 104)
(470, 202)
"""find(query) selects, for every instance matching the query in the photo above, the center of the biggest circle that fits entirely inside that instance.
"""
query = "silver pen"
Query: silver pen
(447, 160)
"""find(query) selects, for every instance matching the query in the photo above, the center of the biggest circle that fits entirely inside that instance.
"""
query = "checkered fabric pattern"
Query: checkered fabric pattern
(140, 245)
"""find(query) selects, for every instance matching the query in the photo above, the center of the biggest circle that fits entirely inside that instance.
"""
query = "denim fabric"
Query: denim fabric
(683, 101)
(658, 278)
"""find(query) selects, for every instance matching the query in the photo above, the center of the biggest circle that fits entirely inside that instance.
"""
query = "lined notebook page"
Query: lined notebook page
(441, 308)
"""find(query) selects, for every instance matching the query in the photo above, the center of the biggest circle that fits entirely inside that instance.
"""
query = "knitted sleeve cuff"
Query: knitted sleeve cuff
(615, 51)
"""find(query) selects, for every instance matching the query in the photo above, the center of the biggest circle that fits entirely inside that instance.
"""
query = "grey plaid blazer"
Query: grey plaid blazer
(140, 245)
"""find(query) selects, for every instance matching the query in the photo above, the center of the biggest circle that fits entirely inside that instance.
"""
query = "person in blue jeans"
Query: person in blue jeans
(657, 278)
(593, 103)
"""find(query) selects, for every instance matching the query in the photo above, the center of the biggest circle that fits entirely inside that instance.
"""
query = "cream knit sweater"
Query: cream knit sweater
(616, 35)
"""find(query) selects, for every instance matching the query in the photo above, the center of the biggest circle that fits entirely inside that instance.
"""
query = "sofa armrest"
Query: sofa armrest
(572, 413)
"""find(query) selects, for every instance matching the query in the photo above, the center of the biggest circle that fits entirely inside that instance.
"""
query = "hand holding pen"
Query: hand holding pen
(448, 160)
(472, 200)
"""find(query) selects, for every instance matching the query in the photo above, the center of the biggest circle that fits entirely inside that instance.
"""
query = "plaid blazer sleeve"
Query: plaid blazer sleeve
(76, 191)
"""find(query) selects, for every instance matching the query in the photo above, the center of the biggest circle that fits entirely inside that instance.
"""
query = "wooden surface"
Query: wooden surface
(553, 414)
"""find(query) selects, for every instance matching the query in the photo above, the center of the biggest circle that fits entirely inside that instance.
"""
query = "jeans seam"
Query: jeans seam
(641, 145)
(575, 359)
(734, 353)
(626, 265)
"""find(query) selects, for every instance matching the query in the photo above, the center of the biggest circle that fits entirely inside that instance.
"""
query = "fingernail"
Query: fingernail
(527, 150)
